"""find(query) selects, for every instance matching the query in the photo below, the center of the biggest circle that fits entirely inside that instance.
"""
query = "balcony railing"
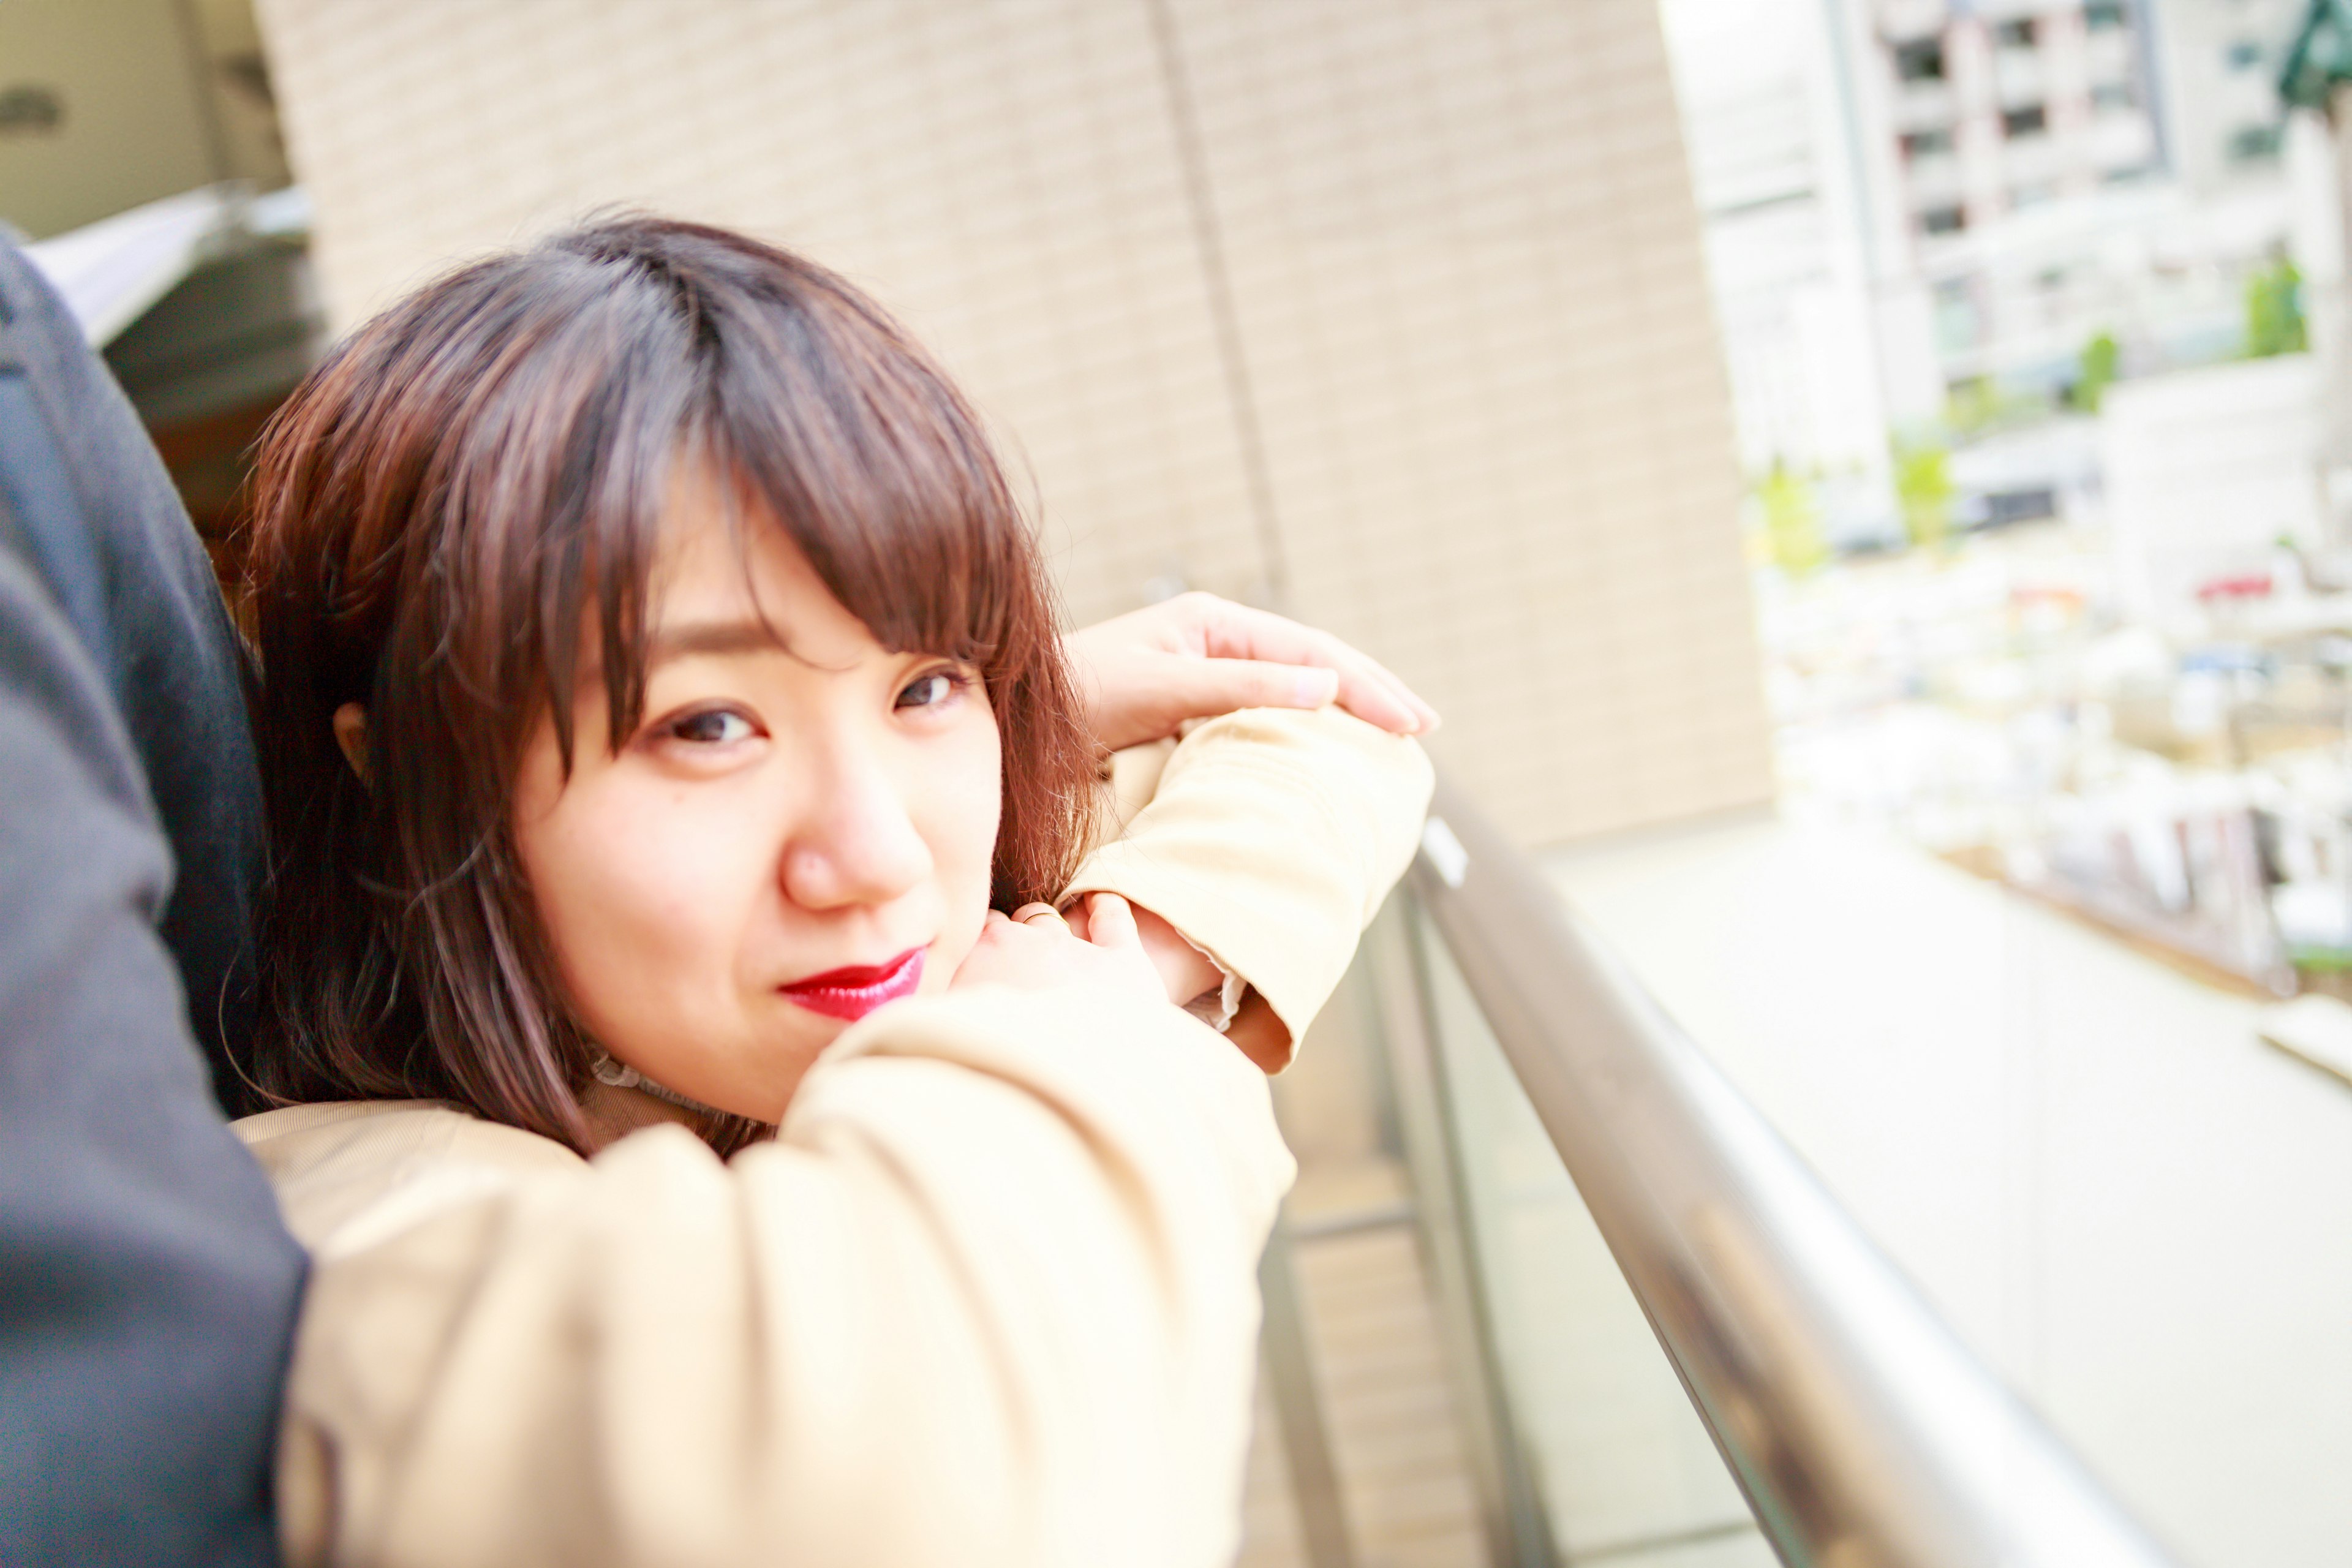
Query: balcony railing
(1847, 1423)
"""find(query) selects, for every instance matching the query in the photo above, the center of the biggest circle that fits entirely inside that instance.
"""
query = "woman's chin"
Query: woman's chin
(758, 1076)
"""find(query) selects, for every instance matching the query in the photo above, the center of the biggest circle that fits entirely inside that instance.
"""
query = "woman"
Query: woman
(661, 712)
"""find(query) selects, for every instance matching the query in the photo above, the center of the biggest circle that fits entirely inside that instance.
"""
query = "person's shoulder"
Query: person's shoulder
(289, 1121)
(373, 1131)
(347, 1167)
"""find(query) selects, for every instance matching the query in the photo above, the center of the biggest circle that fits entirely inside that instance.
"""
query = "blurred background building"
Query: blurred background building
(1869, 483)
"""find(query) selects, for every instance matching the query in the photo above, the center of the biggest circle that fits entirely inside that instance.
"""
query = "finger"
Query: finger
(1030, 913)
(1425, 718)
(1220, 628)
(1387, 703)
(1110, 922)
(1366, 689)
(1221, 685)
(1199, 688)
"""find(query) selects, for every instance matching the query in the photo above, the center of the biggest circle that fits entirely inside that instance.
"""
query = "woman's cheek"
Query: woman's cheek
(639, 889)
(963, 811)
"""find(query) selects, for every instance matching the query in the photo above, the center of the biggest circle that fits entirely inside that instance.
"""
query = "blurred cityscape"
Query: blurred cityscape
(2034, 322)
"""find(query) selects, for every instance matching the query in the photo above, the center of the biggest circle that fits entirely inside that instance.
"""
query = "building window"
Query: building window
(2039, 194)
(1921, 59)
(2030, 120)
(2017, 33)
(2254, 143)
(2114, 95)
(2244, 55)
(1942, 220)
(2104, 16)
(1926, 143)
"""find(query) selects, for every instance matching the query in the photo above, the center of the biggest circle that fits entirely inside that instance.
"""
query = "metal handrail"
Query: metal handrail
(1861, 1429)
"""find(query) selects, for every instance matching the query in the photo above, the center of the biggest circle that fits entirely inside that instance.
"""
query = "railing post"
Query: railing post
(1510, 1504)
(1297, 1396)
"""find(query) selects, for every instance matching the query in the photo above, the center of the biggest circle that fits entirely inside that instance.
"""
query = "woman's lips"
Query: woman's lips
(854, 992)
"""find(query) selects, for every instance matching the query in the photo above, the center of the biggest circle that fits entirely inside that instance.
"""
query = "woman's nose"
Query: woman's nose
(856, 844)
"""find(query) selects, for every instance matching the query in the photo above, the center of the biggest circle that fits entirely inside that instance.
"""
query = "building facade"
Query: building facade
(2051, 170)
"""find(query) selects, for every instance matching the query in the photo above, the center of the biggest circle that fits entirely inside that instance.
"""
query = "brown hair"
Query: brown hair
(438, 508)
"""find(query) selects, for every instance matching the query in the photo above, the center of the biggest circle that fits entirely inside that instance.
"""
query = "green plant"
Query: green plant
(1793, 536)
(1980, 403)
(2099, 359)
(2274, 323)
(1923, 487)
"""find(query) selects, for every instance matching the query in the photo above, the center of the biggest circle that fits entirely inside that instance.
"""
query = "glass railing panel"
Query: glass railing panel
(1626, 1471)
(1860, 1428)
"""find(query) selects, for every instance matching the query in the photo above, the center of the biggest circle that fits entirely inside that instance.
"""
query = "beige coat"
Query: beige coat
(988, 1298)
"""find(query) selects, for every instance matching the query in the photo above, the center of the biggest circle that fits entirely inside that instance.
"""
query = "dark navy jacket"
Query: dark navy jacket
(147, 1288)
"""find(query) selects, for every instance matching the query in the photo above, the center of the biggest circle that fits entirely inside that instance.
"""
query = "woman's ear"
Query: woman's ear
(351, 734)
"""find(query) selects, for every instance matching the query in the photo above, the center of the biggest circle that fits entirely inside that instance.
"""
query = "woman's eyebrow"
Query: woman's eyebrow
(714, 638)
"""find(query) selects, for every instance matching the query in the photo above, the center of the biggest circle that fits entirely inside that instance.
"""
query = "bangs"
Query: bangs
(883, 479)
(813, 411)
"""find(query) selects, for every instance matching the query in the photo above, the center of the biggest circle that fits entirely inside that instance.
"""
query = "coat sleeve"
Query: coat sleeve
(1270, 840)
(988, 1297)
(148, 1289)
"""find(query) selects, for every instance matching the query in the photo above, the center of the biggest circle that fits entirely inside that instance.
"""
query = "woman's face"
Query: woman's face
(799, 830)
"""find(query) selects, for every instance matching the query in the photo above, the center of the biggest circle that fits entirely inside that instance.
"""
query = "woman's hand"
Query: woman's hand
(1187, 974)
(1037, 951)
(1197, 655)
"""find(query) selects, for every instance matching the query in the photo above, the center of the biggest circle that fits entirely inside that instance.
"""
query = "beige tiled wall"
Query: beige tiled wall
(1388, 308)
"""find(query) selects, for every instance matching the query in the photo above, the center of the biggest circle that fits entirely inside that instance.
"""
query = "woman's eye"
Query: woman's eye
(718, 727)
(928, 691)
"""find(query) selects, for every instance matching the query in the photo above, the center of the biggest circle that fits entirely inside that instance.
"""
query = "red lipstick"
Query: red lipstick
(854, 991)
